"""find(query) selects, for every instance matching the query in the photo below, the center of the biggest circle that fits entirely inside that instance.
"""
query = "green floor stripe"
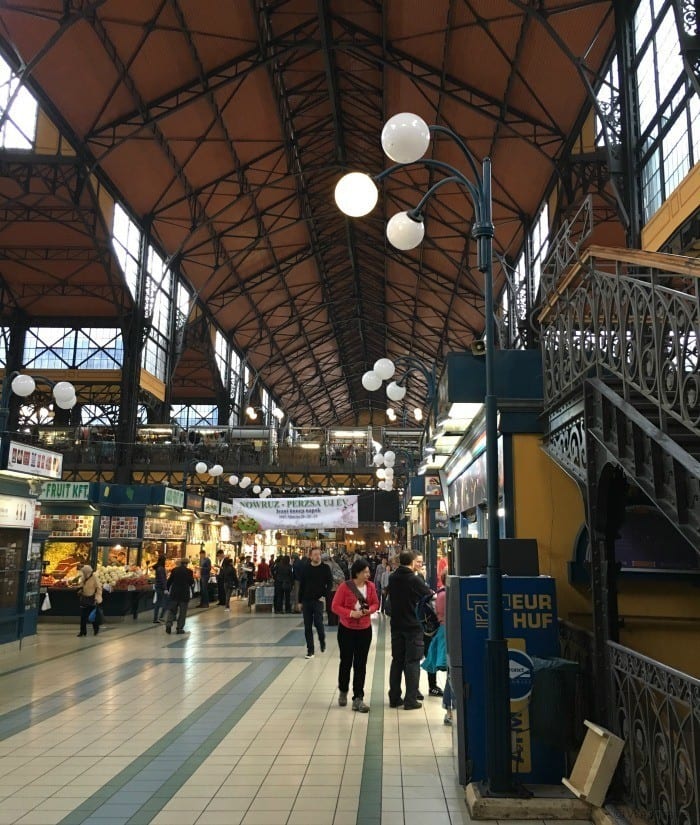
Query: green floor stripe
(176, 759)
(369, 811)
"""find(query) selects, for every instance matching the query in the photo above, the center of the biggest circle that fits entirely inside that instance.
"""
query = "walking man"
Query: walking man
(405, 590)
(180, 583)
(314, 588)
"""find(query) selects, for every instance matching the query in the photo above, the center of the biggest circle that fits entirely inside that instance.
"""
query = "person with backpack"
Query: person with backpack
(405, 591)
(354, 602)
(338, 579)
(432, 621)
(436, 654)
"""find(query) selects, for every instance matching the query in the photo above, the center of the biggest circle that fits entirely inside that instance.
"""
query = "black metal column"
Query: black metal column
(134, 332)
(629, 125)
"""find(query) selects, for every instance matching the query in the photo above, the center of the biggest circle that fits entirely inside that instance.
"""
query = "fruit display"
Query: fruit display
(115, 578)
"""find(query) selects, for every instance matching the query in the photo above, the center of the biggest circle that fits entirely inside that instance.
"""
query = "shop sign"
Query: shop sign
(211, 505)
(433, 486)
(520, 672)
(173, 497)
(160, 528)
(124, 527)
(299, 513)
(22, 458)
(194, 502)
(16, 512)
(65, 491)
(226, 508)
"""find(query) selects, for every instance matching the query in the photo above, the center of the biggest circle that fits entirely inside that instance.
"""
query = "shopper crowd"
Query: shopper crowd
(327, 590)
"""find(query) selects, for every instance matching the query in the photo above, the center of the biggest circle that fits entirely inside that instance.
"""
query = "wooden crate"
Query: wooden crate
(595, 765)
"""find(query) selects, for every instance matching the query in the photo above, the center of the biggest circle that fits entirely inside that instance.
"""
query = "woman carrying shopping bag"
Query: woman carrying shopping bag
(90, 591)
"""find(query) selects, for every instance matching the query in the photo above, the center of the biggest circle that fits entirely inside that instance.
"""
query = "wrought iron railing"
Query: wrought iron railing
(658, 716)
(577, 646)
(566, 246)
(629, 315)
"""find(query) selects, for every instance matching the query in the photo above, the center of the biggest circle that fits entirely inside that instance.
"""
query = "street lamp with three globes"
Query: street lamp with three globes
(405, 139)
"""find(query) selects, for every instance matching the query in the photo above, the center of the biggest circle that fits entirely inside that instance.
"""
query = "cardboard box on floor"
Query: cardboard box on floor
(596, 764)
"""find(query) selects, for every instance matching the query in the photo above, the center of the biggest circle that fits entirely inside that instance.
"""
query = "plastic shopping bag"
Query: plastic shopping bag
(155, 597)
(46, 603)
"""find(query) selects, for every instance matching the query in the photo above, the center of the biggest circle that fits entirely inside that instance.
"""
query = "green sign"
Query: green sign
(65, 491)
(173, 497)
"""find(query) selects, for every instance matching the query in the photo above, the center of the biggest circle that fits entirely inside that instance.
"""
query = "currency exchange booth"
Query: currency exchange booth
(530, 626)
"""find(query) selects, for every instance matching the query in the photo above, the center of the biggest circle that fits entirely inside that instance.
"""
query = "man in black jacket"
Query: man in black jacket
(180, 583)
(315, 585)
(405, 590)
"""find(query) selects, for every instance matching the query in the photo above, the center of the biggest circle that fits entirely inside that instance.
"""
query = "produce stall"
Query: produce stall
(124, 593)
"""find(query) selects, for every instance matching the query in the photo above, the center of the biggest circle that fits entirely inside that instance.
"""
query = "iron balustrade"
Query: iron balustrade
(658, 716)
(639, 327)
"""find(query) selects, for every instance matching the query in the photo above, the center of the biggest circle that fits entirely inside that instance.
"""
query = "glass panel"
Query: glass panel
(651, 186)
(668, 54)
(126, 238)
(19, 128)
(676, 153)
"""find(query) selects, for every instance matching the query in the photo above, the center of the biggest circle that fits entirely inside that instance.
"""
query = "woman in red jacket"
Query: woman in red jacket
(355, 601)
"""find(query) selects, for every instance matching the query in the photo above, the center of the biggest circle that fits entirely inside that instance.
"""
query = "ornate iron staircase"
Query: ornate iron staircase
(620, 332)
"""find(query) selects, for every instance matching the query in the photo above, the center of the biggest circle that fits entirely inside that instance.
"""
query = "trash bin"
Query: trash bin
(553, 702)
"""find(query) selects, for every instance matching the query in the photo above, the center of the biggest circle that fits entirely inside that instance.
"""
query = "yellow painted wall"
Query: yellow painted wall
(662, 618)
(549, 507)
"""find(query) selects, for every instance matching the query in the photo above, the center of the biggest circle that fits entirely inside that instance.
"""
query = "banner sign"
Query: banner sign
(173, 497)
(22, 458)
(324, 512)
(226, 508)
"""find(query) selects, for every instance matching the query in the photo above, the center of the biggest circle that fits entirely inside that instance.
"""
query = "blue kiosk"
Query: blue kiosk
(530, 625)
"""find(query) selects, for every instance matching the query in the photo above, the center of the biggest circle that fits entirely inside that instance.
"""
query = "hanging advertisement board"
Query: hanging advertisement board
(324, 512)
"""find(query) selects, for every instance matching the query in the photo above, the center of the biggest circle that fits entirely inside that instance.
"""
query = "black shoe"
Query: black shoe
(168, 629)
(419, 696)
(81, 634)
(179, 632)
(412, 706)
(396, 704)
(435, 691)
(95, 631)
(155, 621)
(323, 647)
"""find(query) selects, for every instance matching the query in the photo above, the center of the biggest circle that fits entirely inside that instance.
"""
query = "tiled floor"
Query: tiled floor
(228, 725)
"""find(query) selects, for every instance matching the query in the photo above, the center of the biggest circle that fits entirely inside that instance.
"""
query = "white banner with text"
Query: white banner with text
(323, 512)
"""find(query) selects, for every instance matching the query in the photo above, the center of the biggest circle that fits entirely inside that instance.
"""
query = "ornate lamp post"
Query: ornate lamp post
(385, 369)
(23, 385)
(405, 139)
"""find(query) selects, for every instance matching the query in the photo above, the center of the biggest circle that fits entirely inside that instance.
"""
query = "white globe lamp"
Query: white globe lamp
(389, 462)
(405, 138)
(395, 391)
(233, 480)
(23, 385)
(390, 456)
(389, 473)
(356, 194)
(371, 381)
(67, 403)
(378, 460)
(245, 482)
(384, 368)
(381, 474)
(200, 467)
(266, 493)
(257, 489)
(404, 232)
(63, 391)
(216, 470)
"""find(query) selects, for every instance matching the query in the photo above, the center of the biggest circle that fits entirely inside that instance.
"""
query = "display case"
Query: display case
(13, 548)
(63, 559)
